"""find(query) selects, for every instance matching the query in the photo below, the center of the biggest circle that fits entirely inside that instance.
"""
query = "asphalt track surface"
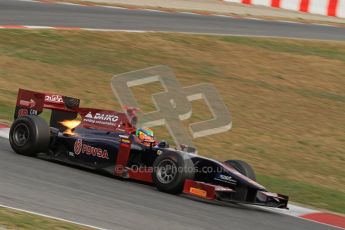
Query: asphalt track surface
(46, 14)
(91, 198)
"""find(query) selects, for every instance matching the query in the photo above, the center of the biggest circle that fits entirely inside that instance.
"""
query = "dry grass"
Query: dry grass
(12, 219)
(286, 96)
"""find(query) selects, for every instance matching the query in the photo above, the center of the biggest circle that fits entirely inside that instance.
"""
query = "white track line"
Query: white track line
(69, 4)
(112, 30)
(222, 15)
(291, 22)
(112, 7)
(294, 210)
(39, 27)
(52, 217)
(320, 24)
(4, 132)
(28, 0)
(256, 19)
(186, 12)
(158, 11)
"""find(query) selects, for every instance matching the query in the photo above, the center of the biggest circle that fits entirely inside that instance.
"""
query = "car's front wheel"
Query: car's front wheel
(29, 135)
(170, 170)
(243, 167)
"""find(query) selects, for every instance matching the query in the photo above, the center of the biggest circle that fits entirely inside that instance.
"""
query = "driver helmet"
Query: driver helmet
(145, 135)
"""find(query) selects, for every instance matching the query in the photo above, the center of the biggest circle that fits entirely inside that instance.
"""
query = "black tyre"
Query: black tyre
(29, 135)
(170, 170)
(243, 167)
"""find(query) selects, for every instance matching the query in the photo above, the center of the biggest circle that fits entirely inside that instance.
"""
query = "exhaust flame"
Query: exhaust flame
(70, 125)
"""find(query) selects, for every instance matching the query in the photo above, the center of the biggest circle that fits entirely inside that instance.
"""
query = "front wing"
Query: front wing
(216, 192)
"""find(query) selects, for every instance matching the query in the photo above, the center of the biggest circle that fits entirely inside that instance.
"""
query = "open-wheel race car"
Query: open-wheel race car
(109, 141)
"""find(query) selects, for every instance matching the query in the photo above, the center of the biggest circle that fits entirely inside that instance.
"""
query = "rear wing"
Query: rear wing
(67, 108)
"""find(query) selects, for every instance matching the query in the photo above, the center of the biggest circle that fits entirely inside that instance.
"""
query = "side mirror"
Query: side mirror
(188, 149)
(163, 144)
(191, 150)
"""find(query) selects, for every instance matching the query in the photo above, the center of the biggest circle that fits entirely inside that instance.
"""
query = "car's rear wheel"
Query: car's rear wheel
(29, 135)
(170, 170)
(243, 167)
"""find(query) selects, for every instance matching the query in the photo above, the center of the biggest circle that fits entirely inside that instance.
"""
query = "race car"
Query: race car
(109, 141)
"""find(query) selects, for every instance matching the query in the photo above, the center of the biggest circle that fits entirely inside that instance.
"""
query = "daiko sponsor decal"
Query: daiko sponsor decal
(79, 147)
(53, 99)
(102, 119)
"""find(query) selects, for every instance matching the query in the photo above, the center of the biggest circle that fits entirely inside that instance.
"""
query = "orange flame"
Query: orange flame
(70, 125)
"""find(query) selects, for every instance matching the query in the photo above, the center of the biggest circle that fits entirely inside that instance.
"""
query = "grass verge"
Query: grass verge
(13, 219)
(286, 96)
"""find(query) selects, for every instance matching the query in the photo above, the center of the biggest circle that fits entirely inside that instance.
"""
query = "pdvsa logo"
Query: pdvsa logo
(79, 147)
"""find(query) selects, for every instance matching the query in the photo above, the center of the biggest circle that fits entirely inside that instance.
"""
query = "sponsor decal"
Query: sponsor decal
(22, 112)
(53, 99)
(106, 117)
(102, 119)
(225, 178)
(119, 168)
(25, 112)
(89, 115)
(29, 104)
(124, 139)
(198, 192)
(33, 112)
(79, 147)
